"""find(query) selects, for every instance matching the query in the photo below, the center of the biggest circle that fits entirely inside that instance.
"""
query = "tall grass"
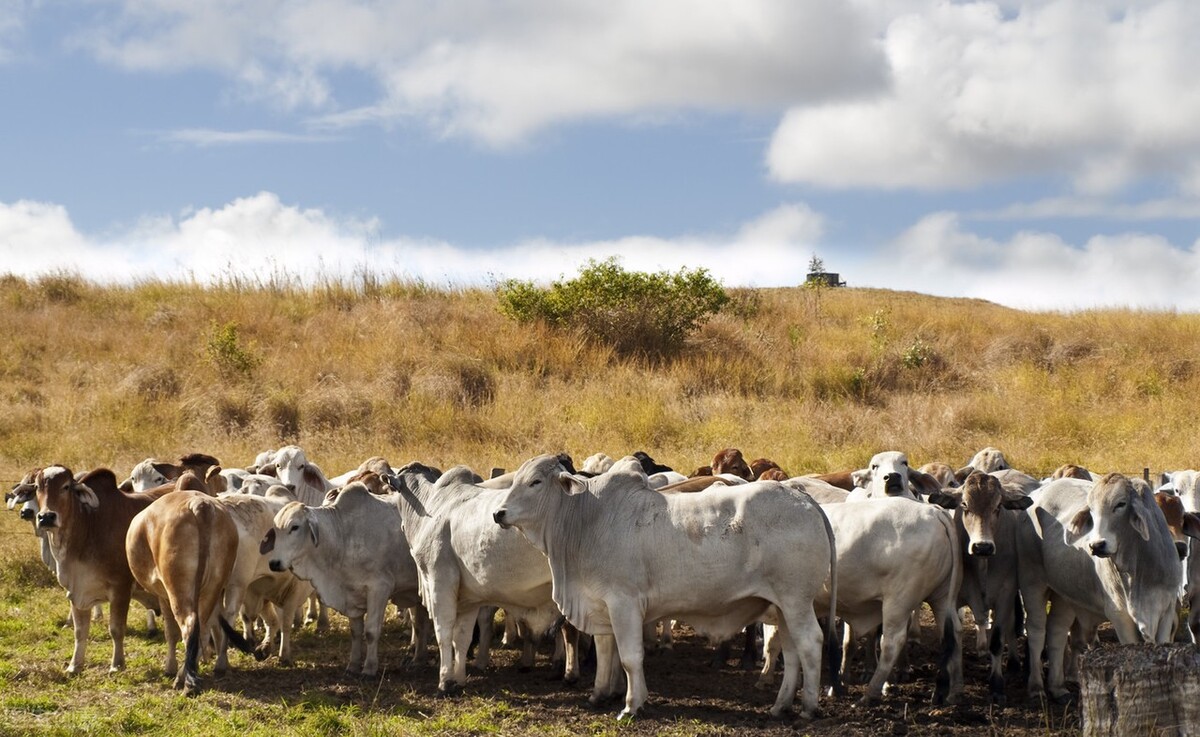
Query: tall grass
(107, 375)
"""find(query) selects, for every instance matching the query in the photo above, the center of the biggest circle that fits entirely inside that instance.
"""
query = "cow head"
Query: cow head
(1181, 523)
(148, 474)
(981, 501)
(1071, 471)
(886, 475)
(597, 464)
(649, 465)
(989, 460)
(730, 461)
(294, 535)
(773, 474)
(536, 485)
(1117, 508)
(24, 495)
(60, 497)
(943, 474)
(760, 466)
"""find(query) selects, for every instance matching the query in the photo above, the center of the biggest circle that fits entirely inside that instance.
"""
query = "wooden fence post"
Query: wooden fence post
(1140, 690)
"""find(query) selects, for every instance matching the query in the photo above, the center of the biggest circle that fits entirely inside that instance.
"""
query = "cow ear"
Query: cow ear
(946, 499)
(1080, 526)
(126, 486)
(961, 474)
(572, 484)
(1137, 516)
(1164, 478)
(1015, 500)
(168, 470)
(922, 484)
(269, 470)
(86, 495)
(861, 477)
(1191, 525)
(312, 531)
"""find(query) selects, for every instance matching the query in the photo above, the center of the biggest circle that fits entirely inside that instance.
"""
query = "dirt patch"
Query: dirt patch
(688, 695)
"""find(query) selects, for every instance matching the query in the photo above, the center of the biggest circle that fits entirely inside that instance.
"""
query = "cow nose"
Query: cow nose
(46, 519)
(983, 548)
(1100, 549)
(1181, 548)
(27, 514)
(498, 516)
(276, 565)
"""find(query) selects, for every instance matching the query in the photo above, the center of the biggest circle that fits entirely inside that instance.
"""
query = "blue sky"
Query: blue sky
(1042, 154)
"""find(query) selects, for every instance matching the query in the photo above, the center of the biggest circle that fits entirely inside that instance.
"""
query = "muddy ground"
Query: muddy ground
(687, 695)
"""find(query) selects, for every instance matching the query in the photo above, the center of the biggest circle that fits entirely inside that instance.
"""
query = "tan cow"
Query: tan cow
(85, 522)
(181, 549)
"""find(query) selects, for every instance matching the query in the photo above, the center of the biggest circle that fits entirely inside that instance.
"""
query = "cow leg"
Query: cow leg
(118, 615)
(1035, 631)
(273, 619)
(463, 626)
(81, 621)
(376, 610)
(486, 621)
(627, 629)
(1058, 626)
(569, 637)
(606, 669)
(443, 615)
(419, 620)
(512, 631)
(895, 630)
(949, 686)
(749, 655)
(527, 647)
(171, 635)
(771, 649)
(801, 639)
(354, 668)
(151, 625)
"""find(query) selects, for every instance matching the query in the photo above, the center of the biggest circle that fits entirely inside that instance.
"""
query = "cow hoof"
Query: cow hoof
(220, 672)
(764, 684)
(261, 654)
(449, 688)
(1062, 699)
(780, 713)
(868, 700)
(571, 680)
(626, 715)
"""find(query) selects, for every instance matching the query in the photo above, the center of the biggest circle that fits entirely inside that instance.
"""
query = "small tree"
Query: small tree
(635, 312)
(816, 265)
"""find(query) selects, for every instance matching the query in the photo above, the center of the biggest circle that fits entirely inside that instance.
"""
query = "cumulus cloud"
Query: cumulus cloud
(1038, 271)
(500, 71)
(1101, 92)
(260, 237)
(12, 26)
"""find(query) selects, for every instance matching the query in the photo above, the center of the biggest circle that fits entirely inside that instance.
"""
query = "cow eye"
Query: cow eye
(1119, 505)
(294, 528)
(535, 482)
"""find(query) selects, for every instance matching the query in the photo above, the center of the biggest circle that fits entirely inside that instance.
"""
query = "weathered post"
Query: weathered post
(1140, 690)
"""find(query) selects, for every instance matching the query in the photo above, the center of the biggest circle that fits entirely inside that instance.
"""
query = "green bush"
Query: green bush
(634, 312)
(225, 351)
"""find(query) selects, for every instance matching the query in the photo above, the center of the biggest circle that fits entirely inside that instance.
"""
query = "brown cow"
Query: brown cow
(773, 474)
(181, 549)
(1177, 521)
(1071, 471)
(85, 522)
(759, 466)
(730, 461)
(840, 479)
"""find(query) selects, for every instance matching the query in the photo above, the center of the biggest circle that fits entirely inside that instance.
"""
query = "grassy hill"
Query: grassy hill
(817, 380)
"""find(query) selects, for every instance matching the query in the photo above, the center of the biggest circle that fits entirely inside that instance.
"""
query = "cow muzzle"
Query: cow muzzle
(499, 516)
(276, 565)
(1100, 549)
(47, 520)
(893, 485)
(27, 513)
(1182, 549)
(983, 549)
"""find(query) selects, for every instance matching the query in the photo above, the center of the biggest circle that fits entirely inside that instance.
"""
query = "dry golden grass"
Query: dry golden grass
(818, 380)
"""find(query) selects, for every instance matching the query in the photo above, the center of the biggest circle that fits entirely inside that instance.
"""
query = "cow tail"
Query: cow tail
(241, 643)
(833, 644)
(204, 527)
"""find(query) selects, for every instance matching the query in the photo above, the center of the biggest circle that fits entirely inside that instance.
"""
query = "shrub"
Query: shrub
(634, 312)
(225, 350)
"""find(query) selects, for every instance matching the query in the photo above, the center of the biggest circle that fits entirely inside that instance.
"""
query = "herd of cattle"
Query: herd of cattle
(616, 548)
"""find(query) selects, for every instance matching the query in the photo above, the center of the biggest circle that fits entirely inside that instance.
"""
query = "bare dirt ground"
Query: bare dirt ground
(687, 696)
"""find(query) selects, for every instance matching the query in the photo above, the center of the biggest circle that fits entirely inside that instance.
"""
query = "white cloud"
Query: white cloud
(12, 26)
(260, 237)
(1037, 271)
(204, 137)
(500, 70)
(1093, 207)
(1103, 93)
